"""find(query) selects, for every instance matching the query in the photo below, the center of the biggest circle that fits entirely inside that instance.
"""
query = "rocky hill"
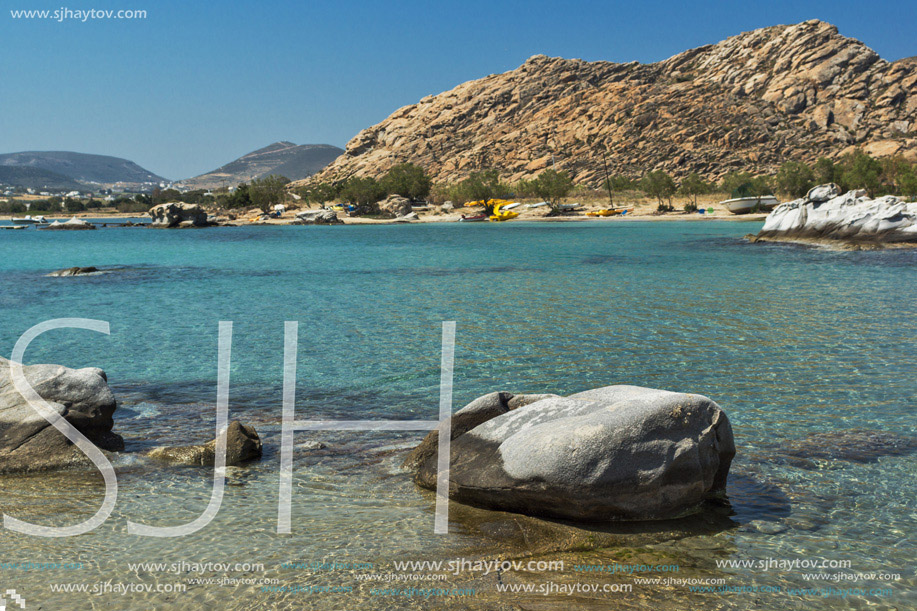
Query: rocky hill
(81, 167)
(750, 102)
(283, 158)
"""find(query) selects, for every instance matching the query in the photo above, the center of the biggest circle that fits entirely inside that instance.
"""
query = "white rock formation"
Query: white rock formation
(851, 217)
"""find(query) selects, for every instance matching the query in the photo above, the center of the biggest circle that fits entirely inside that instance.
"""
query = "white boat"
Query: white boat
(536, 205)
(744, 205)
(510, 206)
(29, 220)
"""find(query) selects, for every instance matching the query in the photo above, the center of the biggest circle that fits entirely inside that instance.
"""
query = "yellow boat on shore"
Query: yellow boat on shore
(503, 215)
(609, 212)
(496, 203)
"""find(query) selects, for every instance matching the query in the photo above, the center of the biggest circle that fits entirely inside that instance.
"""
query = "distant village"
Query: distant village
(125, 197)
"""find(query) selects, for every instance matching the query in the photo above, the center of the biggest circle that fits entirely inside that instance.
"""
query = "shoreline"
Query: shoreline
(422, 218)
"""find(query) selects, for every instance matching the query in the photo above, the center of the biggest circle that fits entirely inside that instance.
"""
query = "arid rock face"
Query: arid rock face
(750, 102)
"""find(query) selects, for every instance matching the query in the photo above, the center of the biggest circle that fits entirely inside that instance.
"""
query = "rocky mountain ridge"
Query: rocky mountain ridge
(750, 102)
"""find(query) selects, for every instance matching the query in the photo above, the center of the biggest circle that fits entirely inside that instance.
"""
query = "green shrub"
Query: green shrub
(407, 180)
(660, 185)
(552, 186)
(795, 179)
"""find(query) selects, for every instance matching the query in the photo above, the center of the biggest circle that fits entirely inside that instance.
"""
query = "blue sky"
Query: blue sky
(197, 84)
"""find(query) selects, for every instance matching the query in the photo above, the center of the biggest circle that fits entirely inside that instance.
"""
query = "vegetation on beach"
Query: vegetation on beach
(268, 191)
(854, 170)
(552, 186)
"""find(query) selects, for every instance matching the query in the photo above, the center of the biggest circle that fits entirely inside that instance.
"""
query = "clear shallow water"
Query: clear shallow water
(790, 341)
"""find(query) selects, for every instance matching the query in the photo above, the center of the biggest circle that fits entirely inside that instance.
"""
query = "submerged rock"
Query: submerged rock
(178, 215)
(73, 271)
(318, 217)
(82, 396)
(854, 445)
(613, 453)
(826, 215)
(242, 444)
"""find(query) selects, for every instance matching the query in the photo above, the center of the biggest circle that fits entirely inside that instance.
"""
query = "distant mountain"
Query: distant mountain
(82, 167)
(36, 178)
(283, 158)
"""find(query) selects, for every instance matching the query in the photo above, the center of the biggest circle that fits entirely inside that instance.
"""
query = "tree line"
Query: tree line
(855, 170)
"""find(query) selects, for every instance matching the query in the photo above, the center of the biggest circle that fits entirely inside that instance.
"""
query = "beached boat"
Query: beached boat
(536, 205)
(30, 220)
(744, 205)
(609, 212)
(495, 202)
(501, 214)
(477, 218)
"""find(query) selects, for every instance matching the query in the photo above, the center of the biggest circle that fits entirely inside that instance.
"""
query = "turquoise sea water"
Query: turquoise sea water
(790, 341)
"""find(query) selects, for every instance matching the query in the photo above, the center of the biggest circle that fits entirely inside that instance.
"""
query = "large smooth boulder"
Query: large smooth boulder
(178, 214)
(477, 412)
(394, 206)
(612, 453)
(318, 217)
(29, 443)
(851, 217)
(242, 444)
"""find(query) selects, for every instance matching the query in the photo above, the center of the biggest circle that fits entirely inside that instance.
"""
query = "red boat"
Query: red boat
(473, 219)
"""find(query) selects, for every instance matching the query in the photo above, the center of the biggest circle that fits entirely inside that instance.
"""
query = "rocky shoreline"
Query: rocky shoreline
(851, 220)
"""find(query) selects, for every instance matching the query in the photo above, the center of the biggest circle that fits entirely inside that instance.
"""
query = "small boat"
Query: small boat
(744, 205)
(536, 205)
(29, 220)
(609, 212)
(511, 206)
(500, 214)
(568, 207)
(477, 218)
(503, 216)
(11, 227)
